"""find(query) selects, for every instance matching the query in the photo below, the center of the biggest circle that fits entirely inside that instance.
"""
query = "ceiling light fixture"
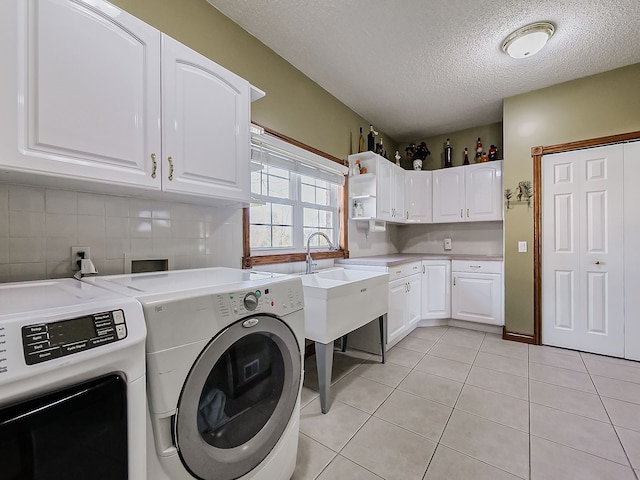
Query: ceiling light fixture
(528, 40)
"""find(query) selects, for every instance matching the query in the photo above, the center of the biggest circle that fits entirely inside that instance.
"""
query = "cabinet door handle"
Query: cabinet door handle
(474, 266)
(461, 213)
(423, 269)
(155, 165)
(454, 281)
(407, 214)
(467, 213)
(170, 159)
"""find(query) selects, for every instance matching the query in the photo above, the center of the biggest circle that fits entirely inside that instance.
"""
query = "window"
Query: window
(294, 193)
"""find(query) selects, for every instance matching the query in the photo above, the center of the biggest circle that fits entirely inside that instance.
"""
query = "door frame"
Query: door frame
(536, 155)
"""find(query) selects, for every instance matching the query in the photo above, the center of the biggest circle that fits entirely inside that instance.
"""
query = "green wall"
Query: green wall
(294, 105)
(591, 107)
(489, 134)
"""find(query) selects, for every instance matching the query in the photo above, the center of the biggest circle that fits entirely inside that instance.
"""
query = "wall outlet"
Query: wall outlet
(77, 254)
(522, 247)
(447, 244)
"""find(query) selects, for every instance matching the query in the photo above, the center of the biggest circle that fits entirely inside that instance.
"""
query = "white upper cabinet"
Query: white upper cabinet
(380, 191)
(103, 100)
(448, 195)
(470, 193)
(418, 197)
(483, 191)
(205, 124)
(87, 86)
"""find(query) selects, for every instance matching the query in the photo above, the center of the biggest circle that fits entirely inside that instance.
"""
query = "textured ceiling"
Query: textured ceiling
(417, 68)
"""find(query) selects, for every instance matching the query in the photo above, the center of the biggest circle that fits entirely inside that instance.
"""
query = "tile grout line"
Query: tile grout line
(610, 420)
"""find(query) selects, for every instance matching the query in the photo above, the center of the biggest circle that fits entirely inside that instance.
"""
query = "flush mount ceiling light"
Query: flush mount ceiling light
(528, 40)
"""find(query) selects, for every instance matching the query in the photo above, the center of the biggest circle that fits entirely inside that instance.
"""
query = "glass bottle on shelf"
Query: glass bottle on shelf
(448, 155)
(361, 142)
(358, 210)
(466, 156)
(371, 139)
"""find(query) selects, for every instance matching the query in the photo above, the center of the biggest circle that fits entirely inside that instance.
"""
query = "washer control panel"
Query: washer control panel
(46, 341)
(278, 299)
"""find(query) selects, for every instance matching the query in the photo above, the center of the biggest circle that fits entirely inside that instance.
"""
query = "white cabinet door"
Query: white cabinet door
(418, 197)
(582, 250)
(385, 189)
(86, 92)
(477, 298)
(398, 193)
(436, 289)
(448, 195)
(397, 309)
(483, 191)
(413, 301)
(205, 125)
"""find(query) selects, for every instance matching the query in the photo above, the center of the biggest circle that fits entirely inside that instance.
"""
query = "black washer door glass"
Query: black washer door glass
(241, 392)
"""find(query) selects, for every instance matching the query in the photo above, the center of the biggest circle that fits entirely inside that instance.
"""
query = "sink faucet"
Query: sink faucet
(309, 261)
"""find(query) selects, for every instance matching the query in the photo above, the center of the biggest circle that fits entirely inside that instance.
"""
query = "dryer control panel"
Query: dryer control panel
(46, 341)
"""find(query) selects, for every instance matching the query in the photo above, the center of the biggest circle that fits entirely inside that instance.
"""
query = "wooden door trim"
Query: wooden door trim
(536, 155)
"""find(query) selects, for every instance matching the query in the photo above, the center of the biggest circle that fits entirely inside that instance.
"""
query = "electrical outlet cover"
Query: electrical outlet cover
(447, 244)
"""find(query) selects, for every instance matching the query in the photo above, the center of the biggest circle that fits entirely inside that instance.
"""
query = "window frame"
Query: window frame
(250, 260)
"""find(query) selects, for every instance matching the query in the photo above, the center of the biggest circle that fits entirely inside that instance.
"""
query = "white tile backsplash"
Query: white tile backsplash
(61, 201)
(38, 227)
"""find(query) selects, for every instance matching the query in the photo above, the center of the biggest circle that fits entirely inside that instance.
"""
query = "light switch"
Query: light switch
(522, 247)
(447, 244)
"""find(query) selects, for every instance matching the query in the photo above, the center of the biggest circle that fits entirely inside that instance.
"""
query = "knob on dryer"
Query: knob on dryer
(250, 301)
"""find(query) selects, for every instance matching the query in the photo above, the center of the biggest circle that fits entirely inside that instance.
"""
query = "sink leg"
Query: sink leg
(382, 320)
(324, 360)
(344, 343)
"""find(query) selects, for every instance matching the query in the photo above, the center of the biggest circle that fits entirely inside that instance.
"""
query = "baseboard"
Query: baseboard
(518, 337)
(480, 327)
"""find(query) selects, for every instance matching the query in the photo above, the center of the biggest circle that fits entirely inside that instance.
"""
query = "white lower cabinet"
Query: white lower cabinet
(404, 307)
(477, 291)
(436, 289)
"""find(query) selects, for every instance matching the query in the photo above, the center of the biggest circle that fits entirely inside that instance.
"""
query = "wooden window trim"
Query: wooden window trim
(536, 155)
(249, 261)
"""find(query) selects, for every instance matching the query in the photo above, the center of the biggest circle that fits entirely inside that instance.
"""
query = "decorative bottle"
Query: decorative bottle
(371, 139)
(361, 142)
(478, 151)
(448, 155)
(466, 156)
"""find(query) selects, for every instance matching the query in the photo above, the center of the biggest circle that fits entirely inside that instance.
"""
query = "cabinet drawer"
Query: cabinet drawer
(483, 266)
(404, 270)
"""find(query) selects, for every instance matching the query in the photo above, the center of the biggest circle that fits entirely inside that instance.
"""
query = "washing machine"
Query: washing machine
(224, 371)
(72, 383)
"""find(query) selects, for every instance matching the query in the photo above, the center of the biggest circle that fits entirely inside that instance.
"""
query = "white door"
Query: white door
(448, 195)
(631, 250)
(205, 125)
(477, 297)
(483, 186)
(397, 309)
(582, 250)
(436, 289)
(89, 78)
(418, 197)
(384, 187)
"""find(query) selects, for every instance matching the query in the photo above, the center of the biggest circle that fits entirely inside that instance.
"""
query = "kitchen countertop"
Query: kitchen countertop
(395, 259)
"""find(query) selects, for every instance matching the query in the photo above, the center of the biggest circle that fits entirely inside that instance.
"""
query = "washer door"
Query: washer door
(238, 398)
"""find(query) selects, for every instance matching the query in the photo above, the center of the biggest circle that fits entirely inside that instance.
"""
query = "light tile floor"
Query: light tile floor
(454, 404)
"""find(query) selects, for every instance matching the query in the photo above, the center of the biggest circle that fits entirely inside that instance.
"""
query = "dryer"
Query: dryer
(72, 382)
(224, 371)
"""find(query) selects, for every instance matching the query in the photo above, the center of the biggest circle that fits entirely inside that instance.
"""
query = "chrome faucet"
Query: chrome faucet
(309, 261)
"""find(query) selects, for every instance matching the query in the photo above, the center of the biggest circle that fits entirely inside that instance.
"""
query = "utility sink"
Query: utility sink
(337, 301)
